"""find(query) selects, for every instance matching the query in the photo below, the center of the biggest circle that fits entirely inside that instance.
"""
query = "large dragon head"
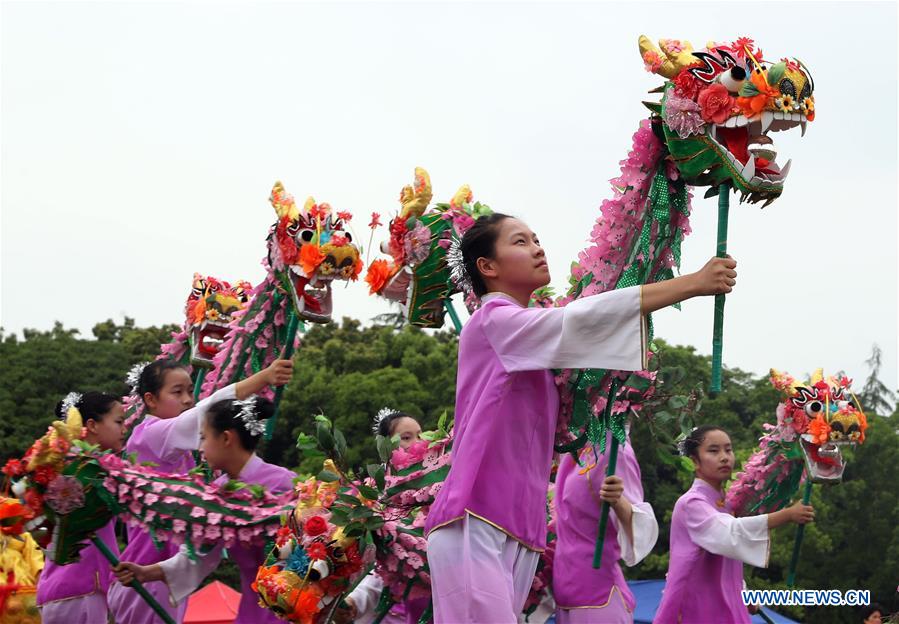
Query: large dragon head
(417, 276)
(719, 107)
(210, 308)
(308, 249)
(822, 413)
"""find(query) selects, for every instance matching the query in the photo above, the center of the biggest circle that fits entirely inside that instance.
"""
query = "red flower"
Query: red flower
(316, 525)
(716, 103)
(14, 468)
(283, 536)
(34, 500)
(687, 85)
(286, 242)
(375, 220)
(44, 475)
(345, 216)
(317, 550)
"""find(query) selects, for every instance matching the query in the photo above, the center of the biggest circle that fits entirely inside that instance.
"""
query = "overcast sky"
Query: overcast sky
(140, 142)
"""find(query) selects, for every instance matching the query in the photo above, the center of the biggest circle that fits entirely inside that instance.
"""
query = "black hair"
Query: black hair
(385, 426)
(223, 416)
(694, 440)
(872, 608)
(92, 405)
(152, 378)
(480, 242)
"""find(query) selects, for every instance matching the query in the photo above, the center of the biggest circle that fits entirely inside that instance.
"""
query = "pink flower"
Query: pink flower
(375, 220)
(178, 526)
(150, 498)
(683, 116)
(652, 61)
(417, 244)
(64, 494)
(197, 512)
(213, 517)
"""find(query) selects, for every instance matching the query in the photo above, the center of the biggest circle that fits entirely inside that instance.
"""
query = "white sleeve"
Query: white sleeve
(184, 576)
(366, 595)
(646, 532)
(182, 433)
(601, 331)
(745, 539)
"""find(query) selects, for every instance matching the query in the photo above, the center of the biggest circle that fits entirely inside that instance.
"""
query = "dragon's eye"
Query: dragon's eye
(733, 79)
(787, 87)
(806, 91)
(306, 236)
(813, 408)
(349, 237)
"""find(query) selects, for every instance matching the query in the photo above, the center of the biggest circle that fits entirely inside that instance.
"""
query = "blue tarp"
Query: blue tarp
(648, 595)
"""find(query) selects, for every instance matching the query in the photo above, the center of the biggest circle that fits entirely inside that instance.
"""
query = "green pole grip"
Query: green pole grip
(604, 515)
(610, 470)
(198, 384)
(453, 316)
(138, 587)
(292, 325)
(718, 330)
(800, 532)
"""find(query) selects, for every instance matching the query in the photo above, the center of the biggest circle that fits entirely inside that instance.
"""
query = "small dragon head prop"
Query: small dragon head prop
(720, 105)
(313, 562)
(814, 418)
(308, 249)
(210, 308)
(417, 275)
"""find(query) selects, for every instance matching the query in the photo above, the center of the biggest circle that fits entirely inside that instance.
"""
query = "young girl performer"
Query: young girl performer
(584, 594)
(488, 522)
(231, 432)
(76, 593)
(709, 545)
(363, 600)
(166, 437)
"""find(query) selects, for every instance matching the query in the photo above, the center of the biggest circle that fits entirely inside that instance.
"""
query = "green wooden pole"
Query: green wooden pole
(800, 531)
(448, 304)
(292, 325)
(721, 252)
(138, 587)
(610, 470)
(198, 384)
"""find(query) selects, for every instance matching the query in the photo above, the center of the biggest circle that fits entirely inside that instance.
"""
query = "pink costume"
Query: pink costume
(76, 593)
(184, 576)
(584, 594)
(708, 549)
(507, 407)
(167, 443)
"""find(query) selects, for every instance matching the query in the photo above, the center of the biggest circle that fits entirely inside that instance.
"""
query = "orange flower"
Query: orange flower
(754, 105)
(819, 430)
(13, 516)
(862, 425)
(357, 269)
(306, 606)
(377, 276)
(310, 257)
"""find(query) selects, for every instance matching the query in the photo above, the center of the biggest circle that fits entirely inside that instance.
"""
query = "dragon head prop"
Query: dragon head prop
(814, 419)
(719, 107)
(821, 413)
(308, 249)
(210, 308)
(313, 562)
(417, 275)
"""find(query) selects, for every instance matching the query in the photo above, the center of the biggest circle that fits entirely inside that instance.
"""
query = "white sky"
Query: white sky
(140, 142)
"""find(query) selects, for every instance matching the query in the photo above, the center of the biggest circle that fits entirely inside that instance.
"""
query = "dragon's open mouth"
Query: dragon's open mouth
(312, 297)
(751, 151)
(207, 339)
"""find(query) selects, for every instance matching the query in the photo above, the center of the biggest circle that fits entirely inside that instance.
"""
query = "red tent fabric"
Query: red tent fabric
(214, 604)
